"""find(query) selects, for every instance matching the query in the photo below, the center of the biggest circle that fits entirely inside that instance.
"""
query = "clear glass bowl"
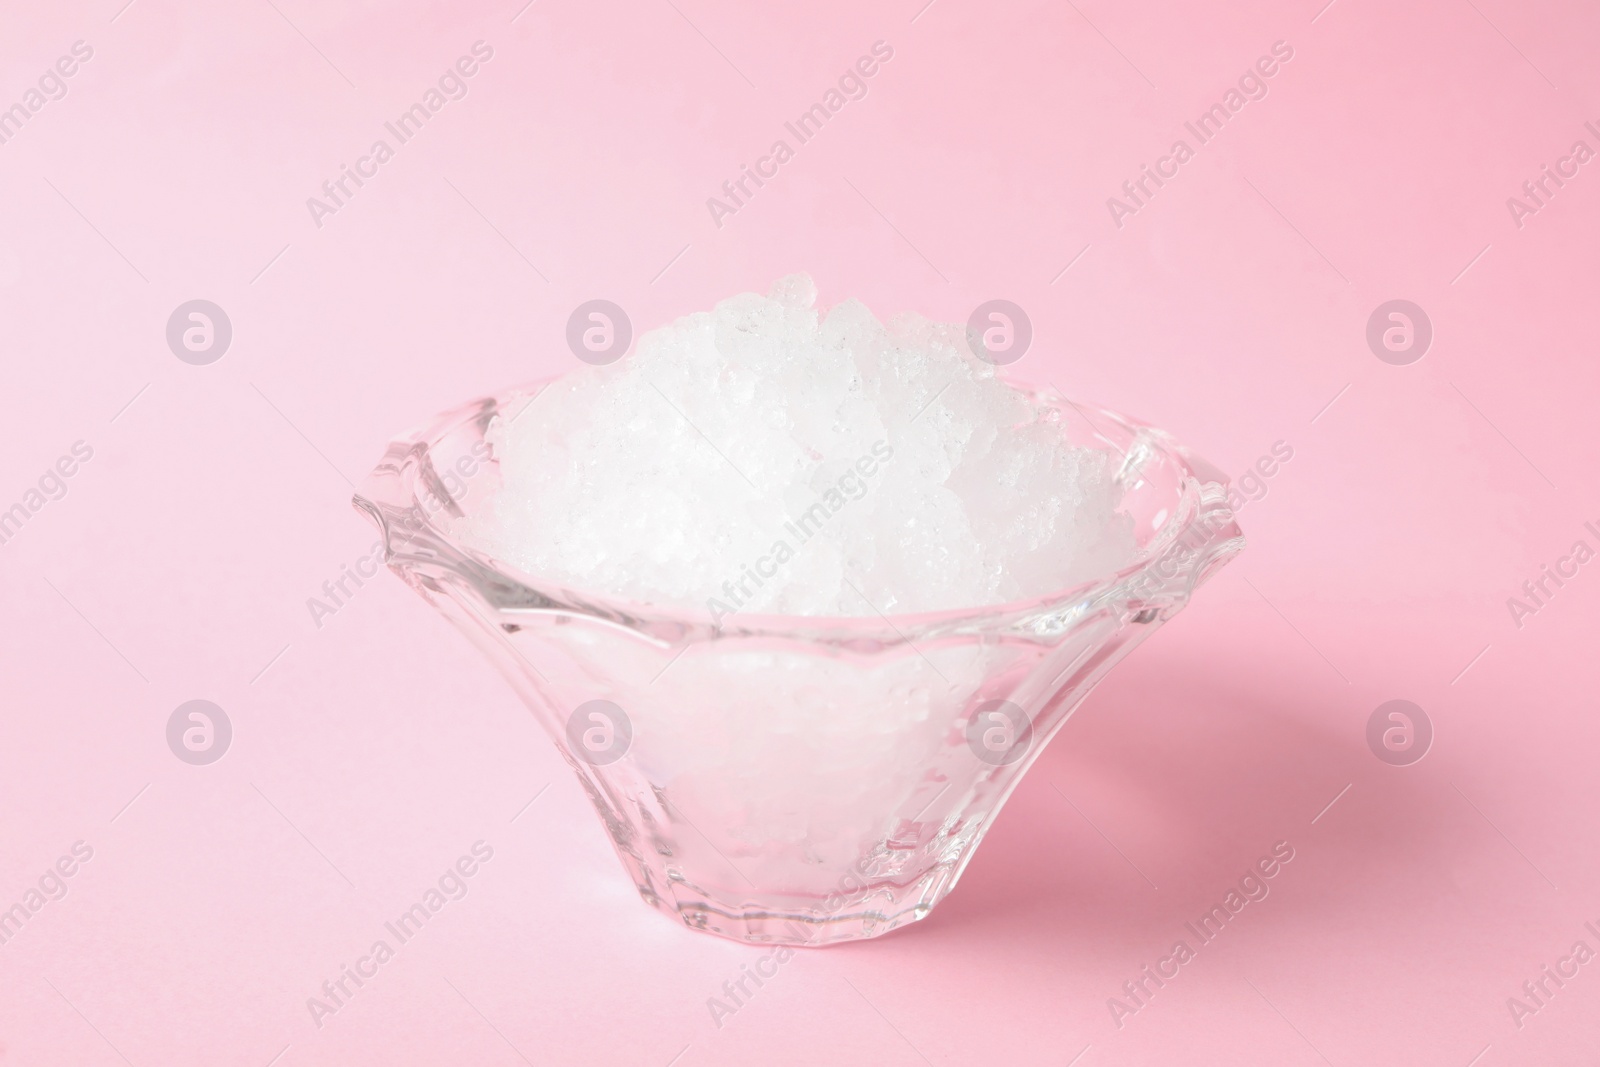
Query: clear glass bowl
(796, 779)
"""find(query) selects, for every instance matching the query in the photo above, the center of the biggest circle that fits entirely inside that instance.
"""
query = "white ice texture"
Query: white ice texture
(736, 464)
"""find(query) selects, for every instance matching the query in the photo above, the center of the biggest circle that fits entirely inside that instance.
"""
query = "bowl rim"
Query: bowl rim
(1200, 522)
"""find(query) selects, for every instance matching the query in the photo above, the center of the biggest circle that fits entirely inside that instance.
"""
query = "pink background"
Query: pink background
(370, 752)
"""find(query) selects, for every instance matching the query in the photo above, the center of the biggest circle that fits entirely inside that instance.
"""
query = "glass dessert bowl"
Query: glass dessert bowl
(797, 780)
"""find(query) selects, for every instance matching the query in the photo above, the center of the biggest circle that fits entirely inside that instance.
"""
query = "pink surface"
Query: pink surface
(371, 751)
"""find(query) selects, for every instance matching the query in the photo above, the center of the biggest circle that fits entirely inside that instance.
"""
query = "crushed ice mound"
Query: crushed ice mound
(769, 458)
